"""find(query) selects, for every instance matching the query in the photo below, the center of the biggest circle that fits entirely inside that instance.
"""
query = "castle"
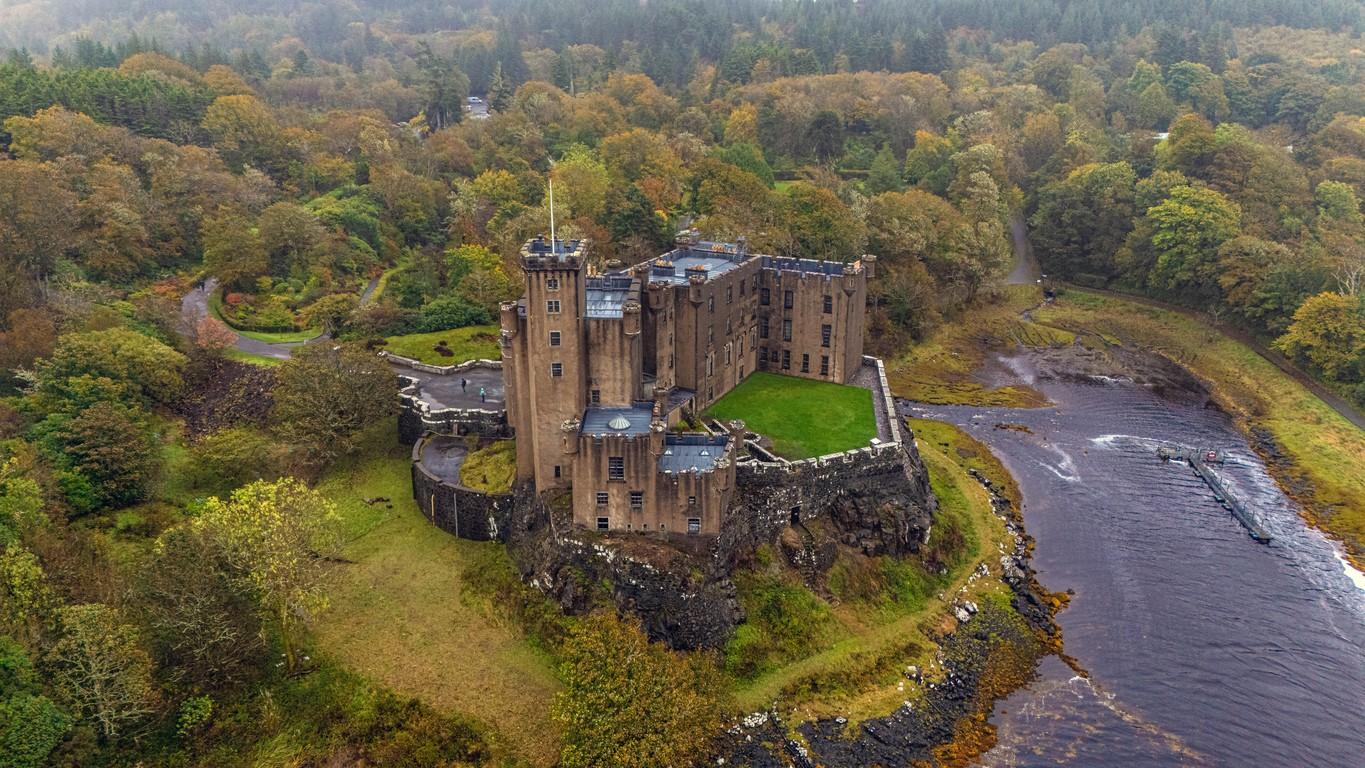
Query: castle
(601, 370)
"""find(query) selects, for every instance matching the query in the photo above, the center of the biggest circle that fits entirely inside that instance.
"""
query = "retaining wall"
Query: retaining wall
(455, 509)
(416, 417)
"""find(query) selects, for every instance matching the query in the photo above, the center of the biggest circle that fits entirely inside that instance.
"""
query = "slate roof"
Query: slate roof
(597, 421)
(691, 453)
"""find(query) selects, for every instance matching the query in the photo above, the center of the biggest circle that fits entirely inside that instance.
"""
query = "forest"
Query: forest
(318, 163)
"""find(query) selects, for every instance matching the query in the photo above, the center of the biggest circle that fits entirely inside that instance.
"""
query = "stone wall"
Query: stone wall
(416, 417)
(455, 509)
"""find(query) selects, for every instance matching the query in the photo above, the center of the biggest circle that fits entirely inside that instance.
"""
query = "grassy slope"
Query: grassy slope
(477, 342)
(398, 614)
(856, 671)
(492, 468)
(247, 357)
(1327, 451)
(803, 417)
(943, 368)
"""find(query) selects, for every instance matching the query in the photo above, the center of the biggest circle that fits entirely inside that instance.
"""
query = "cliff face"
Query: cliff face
(876, 500)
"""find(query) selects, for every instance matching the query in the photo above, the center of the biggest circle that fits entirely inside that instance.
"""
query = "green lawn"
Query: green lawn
(247, 357)
(476, 342)
(803, 417)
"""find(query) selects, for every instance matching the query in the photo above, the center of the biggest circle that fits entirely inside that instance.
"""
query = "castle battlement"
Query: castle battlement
(623, 356)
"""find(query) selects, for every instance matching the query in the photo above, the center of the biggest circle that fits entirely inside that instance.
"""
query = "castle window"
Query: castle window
(602, 498)
(637, 499)
(710, 303)
(557, 470)
(555, 337)
(829, 304)
(764, 297)
(787, 299)
(729, 293)
(727, 354)
(786, 359)
(787, 330)
(595, 396)
(825, 332)
(805, 363)
(556, 370)
(729, 327)
(762, 354)
(741, 287)
(824, 365)
(616, 468)
(603, 523)
(762, 327)
(552, 284)
(710, 334)
(552, 306)
(691, 501)
(694, 525)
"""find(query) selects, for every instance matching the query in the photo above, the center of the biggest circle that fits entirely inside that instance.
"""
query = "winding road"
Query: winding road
(194, 306)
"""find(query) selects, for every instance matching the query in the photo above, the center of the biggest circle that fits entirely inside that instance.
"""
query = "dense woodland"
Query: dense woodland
(1210, 154)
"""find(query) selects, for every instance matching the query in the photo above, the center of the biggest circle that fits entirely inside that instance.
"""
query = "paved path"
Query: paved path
(445, 390)
(1026, 270)
(195, 307)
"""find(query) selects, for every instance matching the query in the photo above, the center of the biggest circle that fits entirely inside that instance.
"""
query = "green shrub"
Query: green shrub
(451, 312)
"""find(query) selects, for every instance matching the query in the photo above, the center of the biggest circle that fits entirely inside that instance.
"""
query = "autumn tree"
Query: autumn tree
(151, 371)
(111, 447)
(101, 670)
(202, 622)
(1188, 228)
(327, 395)
(31, 725)
(233, 251)
(276, 537)
(820, 225)
(631, 703)
(1329, 333)
(1081, 221)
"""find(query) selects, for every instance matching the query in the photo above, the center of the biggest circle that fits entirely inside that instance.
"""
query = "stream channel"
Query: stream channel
(1198, 645)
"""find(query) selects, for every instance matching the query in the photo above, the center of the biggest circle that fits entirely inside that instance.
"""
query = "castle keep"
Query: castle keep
(600, 369)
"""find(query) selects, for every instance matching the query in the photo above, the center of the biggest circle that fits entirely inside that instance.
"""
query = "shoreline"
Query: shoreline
(990, 651)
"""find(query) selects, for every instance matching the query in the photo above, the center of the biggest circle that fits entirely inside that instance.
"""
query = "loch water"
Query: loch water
(1199, 645)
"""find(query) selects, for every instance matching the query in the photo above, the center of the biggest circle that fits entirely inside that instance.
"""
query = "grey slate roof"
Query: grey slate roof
(691, 453)
(597, 421)
(716, 258)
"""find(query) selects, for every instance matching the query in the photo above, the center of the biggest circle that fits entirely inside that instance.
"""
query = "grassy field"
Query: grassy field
(1326, 451)
(860, 643)
(945, 367)
(803, 417)
(403, 615)
(476, 342)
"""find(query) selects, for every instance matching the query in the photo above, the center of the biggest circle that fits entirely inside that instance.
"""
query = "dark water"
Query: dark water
(1203, 647)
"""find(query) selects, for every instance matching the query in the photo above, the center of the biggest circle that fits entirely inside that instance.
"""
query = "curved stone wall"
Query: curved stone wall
(455, 509)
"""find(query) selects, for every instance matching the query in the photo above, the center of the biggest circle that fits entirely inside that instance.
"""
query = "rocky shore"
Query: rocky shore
(993, 650)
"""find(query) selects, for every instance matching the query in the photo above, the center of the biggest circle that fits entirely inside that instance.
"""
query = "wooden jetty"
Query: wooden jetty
(1199, 460)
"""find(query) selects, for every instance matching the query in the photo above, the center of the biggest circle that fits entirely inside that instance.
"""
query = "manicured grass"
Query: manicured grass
(402, 613)
(890, 611)
(803, 417)
(492, 468)
(476, 342)
(1327, 452)
(247, 357)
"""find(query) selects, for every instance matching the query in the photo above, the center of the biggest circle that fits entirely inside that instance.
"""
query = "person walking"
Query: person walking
(483, 395)
(464, 385)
